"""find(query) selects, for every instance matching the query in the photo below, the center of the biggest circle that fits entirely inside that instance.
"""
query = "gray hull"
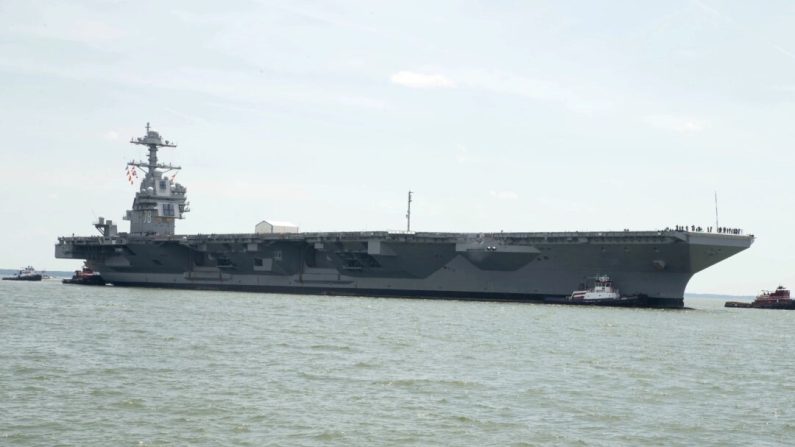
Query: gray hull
(501, 266)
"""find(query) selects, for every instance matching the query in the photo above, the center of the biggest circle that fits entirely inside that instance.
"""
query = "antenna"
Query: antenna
(152, 141)
(408, 214)
(716, 210)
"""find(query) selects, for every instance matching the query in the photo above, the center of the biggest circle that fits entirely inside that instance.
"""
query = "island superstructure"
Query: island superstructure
(524, 267)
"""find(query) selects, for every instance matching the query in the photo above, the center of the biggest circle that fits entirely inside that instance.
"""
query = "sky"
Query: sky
(500, 115)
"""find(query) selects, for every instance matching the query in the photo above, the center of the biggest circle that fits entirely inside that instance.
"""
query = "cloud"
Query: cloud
(188, 116)
(421, 80)
(676, 123)
(238, 86)
(74, 24)
(506, 83)
(712, 12)
(362, 102)
(531, 88)
(465, 157)
(209, 189)
(111, 135)
(784, 51)
(504, 195)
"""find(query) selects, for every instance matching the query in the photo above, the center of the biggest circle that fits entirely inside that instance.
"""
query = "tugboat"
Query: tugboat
(85, 277)
(601, 293)
(26, 274)
(778, 299)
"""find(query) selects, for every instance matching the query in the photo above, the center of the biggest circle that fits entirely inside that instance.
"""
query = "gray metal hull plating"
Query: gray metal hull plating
(501, 266)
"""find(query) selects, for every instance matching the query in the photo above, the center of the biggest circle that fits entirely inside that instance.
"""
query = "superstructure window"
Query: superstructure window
(168, 209)
(162, 185)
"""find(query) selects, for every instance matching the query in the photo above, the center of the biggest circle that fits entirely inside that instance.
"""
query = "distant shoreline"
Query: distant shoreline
(716, 296)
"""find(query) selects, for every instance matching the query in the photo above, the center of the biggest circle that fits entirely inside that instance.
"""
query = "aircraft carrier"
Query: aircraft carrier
(523, 267)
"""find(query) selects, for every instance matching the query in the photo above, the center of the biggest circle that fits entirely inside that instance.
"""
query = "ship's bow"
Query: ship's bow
(707, 249)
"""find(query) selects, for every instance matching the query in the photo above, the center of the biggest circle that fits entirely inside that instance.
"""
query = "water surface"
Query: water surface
(98, 366)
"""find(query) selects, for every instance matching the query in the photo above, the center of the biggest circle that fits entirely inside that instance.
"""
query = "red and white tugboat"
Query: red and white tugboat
(85, 277)
(601, 293)
(778, 299)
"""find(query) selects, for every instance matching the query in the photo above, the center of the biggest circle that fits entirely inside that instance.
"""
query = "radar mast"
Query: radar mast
(160, 200)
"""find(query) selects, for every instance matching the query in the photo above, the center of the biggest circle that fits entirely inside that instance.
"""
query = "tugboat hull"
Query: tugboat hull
(23, 278)
(624, 301)
(737, 304)
(95, 280)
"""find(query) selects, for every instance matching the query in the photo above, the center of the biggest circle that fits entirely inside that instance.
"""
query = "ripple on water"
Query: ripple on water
(115, 366)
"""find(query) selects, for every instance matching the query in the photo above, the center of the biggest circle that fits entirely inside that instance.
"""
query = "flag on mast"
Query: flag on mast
(131, 174)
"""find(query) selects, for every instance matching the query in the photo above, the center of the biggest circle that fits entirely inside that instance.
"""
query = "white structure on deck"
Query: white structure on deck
(275, 226)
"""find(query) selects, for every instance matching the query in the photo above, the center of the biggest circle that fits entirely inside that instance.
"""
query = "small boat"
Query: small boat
(778, 299)
(85, 277)
(26, 274)
(601, 293)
